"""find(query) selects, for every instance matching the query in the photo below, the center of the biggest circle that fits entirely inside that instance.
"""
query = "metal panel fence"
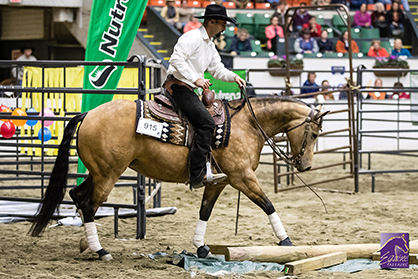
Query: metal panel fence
(27, 160)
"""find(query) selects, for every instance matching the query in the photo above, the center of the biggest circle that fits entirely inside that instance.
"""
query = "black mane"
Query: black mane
(237, 105)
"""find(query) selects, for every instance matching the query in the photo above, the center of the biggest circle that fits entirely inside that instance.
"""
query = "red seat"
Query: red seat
(206, 3)
(157, 3)
(229, 5)
(265, 6)
(370, 7)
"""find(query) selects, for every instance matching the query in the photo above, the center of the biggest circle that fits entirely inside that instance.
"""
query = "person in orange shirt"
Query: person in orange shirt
(273, 32)
(192, 24)
(378, 95)
(342, 44)
(376, 50)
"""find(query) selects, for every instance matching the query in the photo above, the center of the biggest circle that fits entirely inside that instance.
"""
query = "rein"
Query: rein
(282, 155)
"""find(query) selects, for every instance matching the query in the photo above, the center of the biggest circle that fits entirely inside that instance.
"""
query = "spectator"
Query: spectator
(273, 32)
(27, 56)
(343, 93)
(220, 45)
(185, 13)
(170, 13)
(280, 12)
(325, 44)
(376, 50)
(306, 44)
(377, 95)
(313, 26)
(362, 18)
(378, 18)
(301, 17)
(192, 24)
(325, 96)
(241, 42)
(240, 4)
(320, 2)
(342, 44)
(395, 19)
(294, 33)
(356, 4)
(309, 86)
(399, 95)
(399, 51)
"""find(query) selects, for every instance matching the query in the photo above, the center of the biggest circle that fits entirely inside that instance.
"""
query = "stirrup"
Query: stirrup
(216, 178)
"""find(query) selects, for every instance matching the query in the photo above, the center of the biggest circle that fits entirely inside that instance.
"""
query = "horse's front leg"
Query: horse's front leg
(248, 184)
(210, 196)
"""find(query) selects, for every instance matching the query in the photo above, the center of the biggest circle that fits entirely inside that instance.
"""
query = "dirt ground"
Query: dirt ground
(351, 219)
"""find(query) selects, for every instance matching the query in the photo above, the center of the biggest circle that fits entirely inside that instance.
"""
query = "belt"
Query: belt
(172, 80)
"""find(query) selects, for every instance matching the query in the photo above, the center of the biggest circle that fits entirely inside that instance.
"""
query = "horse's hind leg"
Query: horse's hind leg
(83, 198)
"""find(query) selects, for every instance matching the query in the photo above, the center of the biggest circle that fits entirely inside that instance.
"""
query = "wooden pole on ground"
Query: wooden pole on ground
(280, 254)
(302, 266)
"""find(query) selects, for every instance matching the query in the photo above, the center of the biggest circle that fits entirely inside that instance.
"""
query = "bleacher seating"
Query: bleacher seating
(255, 23)
(261, 21)
(246, 21)
(370, 33)
(265, 6)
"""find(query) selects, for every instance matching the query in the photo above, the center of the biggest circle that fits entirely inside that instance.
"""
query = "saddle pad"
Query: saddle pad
(176, 133)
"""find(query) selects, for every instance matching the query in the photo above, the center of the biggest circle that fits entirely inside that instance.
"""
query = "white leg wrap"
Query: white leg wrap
(92, 237)
(277, 226)
(199, 234)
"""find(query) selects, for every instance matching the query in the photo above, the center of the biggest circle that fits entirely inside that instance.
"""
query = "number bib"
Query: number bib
(149, 127)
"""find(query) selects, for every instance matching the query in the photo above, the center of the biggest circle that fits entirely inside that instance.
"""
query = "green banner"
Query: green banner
(112, 30)
(226, 90)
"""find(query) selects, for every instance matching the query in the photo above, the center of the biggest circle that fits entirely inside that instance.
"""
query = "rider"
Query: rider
(193, 54)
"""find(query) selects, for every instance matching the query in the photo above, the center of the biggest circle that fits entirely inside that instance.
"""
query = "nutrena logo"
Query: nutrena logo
(101, 74)
(110, 38)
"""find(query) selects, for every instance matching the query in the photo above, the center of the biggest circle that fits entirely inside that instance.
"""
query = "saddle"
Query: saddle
(162, 108)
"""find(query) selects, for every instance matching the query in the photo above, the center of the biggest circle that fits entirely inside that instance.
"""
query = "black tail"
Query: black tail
(58, 181)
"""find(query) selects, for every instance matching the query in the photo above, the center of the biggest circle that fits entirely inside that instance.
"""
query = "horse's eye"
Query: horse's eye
(314, 135)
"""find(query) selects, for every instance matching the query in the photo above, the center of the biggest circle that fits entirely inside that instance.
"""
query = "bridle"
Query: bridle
(308, 122)
(292, 161)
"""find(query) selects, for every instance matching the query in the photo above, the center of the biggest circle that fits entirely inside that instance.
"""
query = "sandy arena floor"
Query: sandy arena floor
(352, 219)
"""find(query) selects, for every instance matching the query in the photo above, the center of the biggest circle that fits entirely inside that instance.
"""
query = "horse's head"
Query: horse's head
(303, 136)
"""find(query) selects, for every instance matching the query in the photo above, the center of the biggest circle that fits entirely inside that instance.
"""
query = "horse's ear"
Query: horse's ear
(318, 107)
(321, 114)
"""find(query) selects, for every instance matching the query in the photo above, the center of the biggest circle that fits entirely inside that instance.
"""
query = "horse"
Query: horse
(107, 149)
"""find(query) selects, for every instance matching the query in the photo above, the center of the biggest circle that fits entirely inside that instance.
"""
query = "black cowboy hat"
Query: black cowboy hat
(217, 12)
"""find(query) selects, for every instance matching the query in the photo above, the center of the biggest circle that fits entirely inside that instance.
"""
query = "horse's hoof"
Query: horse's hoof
(285, 242)
(83, 245)
(104, 255)
(203, 251)
(106, 258)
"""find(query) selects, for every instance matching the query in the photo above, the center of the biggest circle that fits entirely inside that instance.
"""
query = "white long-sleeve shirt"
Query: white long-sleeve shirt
(195, 53)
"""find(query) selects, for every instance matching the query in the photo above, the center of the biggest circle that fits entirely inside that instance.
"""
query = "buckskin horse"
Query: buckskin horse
(107, 149)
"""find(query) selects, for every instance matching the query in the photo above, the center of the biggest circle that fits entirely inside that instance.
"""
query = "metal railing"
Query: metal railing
(13, 160)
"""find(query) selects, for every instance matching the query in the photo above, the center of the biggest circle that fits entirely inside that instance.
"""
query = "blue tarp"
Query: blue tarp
(217, 264)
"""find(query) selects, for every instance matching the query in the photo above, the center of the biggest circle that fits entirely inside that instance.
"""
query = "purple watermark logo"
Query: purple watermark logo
(394, 250)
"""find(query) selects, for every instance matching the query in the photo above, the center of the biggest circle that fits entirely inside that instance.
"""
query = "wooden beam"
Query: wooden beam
(302, 266)
(285, 254)
(412, 258)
